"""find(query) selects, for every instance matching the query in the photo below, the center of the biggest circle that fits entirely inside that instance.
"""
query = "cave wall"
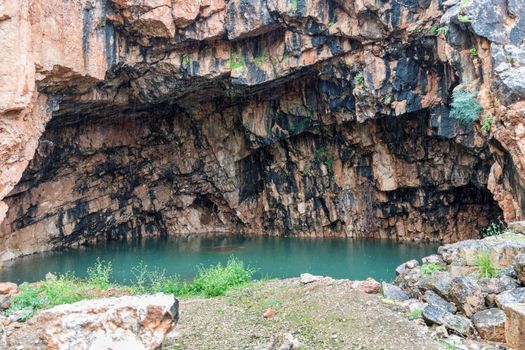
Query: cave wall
(297, 117)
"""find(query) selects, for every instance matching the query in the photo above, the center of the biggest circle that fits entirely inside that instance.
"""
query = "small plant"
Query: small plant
(237, 61)
(473, 51)
(486, 268)
(433, 30)
(99, 274)
(495, 228)
(260, 60)
(465, 107)
(359, 78)
(330, 24)
(486, 124)
(329, 162)
(443, 31)
(464, 18)
(186, 60)
(414, 314)
(430, 268)
(293, 5)
(320, 152)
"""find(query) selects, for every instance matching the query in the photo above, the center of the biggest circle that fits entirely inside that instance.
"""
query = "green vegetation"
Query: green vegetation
(237, 61)
(465, 106)
(427, 269)
(359, 78)
(449, 346)
(260, 60)
(320, 152)
(442, 31)
(330, 24)
(186, 60)
(329, 162)
(65, 289)
(486, 268)
(495, 228)
(293, 5)
(473, 51)
(414, 314)
(486, 124)
(463, 18)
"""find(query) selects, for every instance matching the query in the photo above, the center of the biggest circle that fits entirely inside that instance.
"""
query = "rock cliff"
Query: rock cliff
(129, 118)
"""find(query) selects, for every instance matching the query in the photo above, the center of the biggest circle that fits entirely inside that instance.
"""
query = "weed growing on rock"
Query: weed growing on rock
(414, 314)
(486, 124)
(495, 228)
(463, 18)
(486, 268)
(237, 61)
(442, 31)
(465, 106)
(294, 5)
(473, 51)
(359, 78)
(259, 60)
(428, 269)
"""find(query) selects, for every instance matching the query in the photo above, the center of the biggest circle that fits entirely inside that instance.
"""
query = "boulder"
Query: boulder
(408, 279)
(432, 298)
(519, 267)
(309, 278)
(438, 282)
(432, 259)
(490, 324)
(466, 293)
(404, 267)
(497, 285)
(8, 288)
(393, 292)
(510, 297)
(458, 324)
(370, 286)
(133, 322)
(514, 326)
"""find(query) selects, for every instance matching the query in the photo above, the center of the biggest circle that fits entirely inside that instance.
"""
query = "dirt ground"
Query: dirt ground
(320, 315)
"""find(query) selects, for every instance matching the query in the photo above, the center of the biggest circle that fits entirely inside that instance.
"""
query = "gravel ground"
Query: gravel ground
(321, 315)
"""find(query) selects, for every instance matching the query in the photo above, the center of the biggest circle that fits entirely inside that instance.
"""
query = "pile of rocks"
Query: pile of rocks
(455, 297)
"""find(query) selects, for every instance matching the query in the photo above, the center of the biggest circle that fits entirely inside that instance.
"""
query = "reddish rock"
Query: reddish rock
(269, 313)
(8, 288)
(370, 286)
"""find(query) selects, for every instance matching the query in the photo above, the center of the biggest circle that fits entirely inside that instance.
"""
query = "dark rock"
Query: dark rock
(490, 324)
(487, 18)
(458, 324)
(438, 282)
(512, 87)
(519, 267)
(510, 297)
(393, 292)
(433, 299)
(465, 292)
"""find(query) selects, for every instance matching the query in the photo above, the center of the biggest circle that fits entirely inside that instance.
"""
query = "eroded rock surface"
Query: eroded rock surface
(285, 117)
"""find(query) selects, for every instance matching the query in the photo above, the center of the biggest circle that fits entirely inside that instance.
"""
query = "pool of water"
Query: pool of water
(277, 257)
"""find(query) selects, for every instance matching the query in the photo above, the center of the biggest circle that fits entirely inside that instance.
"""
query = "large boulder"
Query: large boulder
(490, 324)
(519, 267)
(132, 322)
(511, 297)
(515, 326)
(393, 292)
(466, 293)
(8, 288)
(458, 324)
(438, 282)
(434, 299)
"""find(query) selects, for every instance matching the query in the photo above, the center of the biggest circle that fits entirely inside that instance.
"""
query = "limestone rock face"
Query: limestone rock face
(141, 118)
(134, 322)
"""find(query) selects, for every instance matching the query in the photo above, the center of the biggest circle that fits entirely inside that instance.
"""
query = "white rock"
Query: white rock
(309, 278)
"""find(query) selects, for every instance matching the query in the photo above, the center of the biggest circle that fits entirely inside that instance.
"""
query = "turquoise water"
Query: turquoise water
(277, 257)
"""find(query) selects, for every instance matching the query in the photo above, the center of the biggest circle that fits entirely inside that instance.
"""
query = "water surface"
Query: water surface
(278, 257)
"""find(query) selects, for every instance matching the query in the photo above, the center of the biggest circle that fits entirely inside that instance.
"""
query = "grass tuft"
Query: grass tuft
(486, 268)
(428, 269)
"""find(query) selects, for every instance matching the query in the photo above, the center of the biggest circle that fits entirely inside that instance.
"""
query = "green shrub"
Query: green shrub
(427, 269)
(473, 51)
(486, 124)
(329, 162)
(216, 280)
(359, 78)
(237, 61)
(465, 107)
(463, 18)
(486, 268)
(99, 274)
(495, 228)
(442, 31)
(294, 5)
